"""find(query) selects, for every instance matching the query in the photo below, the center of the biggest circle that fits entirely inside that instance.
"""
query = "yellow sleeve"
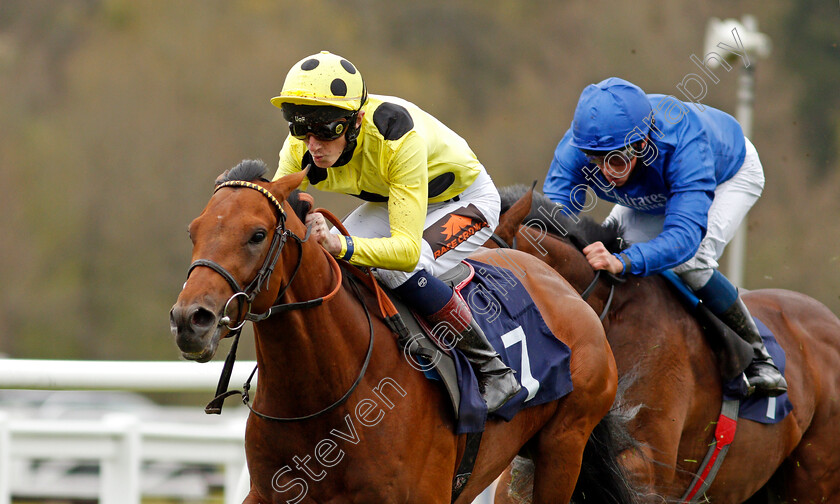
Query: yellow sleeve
(408, 180)
(291, 156)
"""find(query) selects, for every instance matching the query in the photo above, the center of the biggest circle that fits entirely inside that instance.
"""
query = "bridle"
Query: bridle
(278, 241)
(250, 292)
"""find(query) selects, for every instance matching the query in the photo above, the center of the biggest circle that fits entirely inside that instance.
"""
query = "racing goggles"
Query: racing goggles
(613, 157)
(324, 131)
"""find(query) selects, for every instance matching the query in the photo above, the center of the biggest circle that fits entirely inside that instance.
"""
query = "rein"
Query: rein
(612, 279)
(262, 278)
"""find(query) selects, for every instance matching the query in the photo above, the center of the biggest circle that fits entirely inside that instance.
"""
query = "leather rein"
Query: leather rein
(247, 295)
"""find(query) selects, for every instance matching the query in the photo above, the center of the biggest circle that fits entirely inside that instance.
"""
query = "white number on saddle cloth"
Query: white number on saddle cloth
(526, 378)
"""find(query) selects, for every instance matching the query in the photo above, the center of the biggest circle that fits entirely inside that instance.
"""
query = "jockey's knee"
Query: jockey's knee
(392, 278)
(696, 278)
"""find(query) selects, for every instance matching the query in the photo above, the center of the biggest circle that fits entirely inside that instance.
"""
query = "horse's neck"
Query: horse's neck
(306, 355)
(571, 263)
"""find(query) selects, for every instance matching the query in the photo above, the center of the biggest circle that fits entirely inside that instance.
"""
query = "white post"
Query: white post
(5, 460)
(743, 113)
(755, 45)
(120, 473)
(242, 488)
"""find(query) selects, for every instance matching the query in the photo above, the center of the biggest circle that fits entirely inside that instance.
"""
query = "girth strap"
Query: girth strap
(724, 434)
(464, 471)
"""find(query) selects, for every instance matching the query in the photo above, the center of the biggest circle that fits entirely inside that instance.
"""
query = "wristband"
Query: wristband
(349, 245)
(621, 257)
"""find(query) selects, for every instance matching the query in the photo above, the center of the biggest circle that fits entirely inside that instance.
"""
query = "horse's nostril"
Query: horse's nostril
(202, 317)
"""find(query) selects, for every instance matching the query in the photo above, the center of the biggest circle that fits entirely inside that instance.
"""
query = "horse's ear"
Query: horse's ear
(509, 221)
(288, 183)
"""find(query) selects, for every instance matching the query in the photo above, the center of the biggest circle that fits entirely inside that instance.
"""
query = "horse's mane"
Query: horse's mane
(254, 169)
(580, 232)
(247, 170)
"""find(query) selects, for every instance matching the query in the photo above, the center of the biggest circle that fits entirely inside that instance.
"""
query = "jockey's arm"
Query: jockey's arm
(684, 229)
(408, 181)
(691, 179)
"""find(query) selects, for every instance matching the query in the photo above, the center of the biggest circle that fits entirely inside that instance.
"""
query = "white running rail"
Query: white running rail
(122, 442)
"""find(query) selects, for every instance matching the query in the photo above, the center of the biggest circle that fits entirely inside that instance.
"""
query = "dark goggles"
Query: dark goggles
(614, 157)
(325, 131)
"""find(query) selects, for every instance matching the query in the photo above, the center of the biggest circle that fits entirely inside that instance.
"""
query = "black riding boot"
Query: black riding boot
(496, 381)
(762, 373)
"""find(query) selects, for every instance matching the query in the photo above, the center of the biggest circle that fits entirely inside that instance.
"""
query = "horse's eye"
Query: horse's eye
(258, 237)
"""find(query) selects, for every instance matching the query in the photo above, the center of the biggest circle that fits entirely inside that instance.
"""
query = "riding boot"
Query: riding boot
(496, 381)
(762, 373)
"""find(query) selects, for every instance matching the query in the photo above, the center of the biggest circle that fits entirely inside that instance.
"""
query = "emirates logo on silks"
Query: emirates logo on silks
(453, 229)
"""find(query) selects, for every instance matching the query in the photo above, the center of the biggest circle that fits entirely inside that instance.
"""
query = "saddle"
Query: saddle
(732, 352)
(434, 360)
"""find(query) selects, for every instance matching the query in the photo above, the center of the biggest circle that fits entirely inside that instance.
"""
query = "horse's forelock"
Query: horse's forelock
(581, 232)
(247, 170)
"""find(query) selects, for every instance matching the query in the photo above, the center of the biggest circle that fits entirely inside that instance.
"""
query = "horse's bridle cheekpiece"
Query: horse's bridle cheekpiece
(281, 234)
(278, 241)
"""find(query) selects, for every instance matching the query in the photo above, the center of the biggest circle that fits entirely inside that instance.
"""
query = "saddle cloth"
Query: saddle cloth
(512, 322)
(763, 409)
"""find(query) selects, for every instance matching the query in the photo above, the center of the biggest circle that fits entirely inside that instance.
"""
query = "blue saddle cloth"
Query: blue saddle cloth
(513, 324)
(762, 409)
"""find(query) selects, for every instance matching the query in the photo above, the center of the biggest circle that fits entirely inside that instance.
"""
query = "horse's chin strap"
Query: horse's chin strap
(612, 279)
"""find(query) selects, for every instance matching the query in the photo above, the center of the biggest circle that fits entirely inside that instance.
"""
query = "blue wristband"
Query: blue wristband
(623, 264)
(349, 253)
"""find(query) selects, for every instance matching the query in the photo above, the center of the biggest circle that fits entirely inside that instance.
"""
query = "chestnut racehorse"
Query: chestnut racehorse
(676, 387)
(353, 422)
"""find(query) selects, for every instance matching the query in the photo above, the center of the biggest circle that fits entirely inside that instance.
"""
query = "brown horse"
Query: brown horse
(675, 389)
(361, 425)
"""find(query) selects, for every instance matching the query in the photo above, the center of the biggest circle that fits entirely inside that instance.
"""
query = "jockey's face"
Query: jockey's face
(618, 170)
(326, 152)
(618, 165)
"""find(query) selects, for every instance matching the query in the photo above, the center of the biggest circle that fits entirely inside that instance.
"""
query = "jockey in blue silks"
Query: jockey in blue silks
(683, 177)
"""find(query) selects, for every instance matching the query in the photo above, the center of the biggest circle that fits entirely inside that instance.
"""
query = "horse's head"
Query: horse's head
(531, 222)
(514, 211)
(237, 241)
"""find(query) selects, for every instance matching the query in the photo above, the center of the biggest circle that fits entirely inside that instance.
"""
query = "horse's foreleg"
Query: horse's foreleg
(557, 464)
